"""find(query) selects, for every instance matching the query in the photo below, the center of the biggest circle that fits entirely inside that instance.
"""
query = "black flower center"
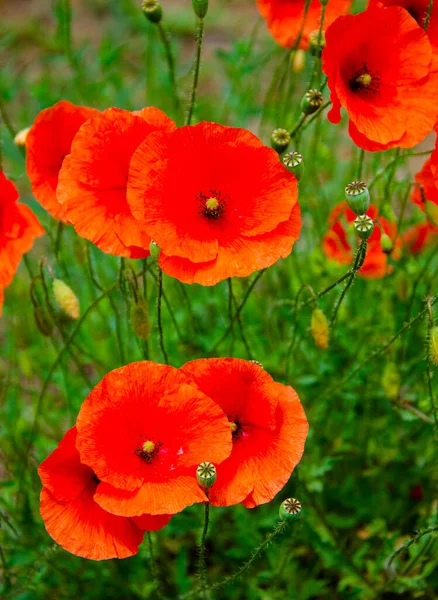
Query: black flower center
(364, 80)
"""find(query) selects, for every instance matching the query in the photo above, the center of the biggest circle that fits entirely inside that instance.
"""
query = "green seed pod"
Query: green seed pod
(386, 244)
(316, 43)
(290, 509)
(140, 319)
(293, 161)
(433, 344)
(206, 475)
(280, 139)
(200, 7)
(358, 197)
(311, 101)
(364, 226)
(152, 10)
(43, 320)
(154, 249)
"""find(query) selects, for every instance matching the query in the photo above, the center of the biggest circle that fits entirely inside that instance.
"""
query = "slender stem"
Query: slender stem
(415, 539)
(202, 569)
(171, 65)
(358, 262)
(199, 40)
(298, 125)
(429, 11)
(360, 165)
(391, 164)
(160, 326)
(6, 121)
(153, 566)
(239, 322)
(67, 18)
(118, 329)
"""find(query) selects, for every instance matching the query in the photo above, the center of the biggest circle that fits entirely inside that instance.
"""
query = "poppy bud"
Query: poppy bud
(431, 210)
(206, 475)
(152, 10)
(42, 320)
(358, 197)
(311, 101)
(433, 344)
(66, 299)
(316, 43)
(319, 328)
(386, 244)
(391, 381)
(154, 249)
(364, 226)
(293, 161)
(140, 319)
(20, 138)
(200, 7)
(290, 509)
(298, 61)
(280, 139)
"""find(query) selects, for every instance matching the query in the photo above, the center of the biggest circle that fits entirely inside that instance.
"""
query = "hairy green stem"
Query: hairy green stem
(199, 40)
(202, 569)
(171, 65)
(358, 262)
(160, 325)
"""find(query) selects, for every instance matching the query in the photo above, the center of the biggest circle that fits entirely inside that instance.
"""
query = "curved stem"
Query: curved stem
(171, 64)
(358, 262)
(427, 19)
(160, 325)
(202, 570)
(199, 40)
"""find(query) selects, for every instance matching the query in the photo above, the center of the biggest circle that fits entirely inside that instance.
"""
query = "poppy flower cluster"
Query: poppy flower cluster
(130, 462)
(215, 200)
(340, 240)
(19, 227)
(382, 70)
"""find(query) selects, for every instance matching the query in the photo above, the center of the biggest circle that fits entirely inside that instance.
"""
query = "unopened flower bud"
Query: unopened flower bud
(319, 328)
(431, 210)
(154, 249)
(290, 509)
(206, 475)
(391, 381)
(433, 344)
(43, 320)
(140, 319)
(386, 244)
(21, 137)
(298, 61)
(280, 139)
(358, 197)
(364, 226)
(200, 7)
(152, 10)
(293, 161)
(66, 299)
(316, 43)
(311, 101)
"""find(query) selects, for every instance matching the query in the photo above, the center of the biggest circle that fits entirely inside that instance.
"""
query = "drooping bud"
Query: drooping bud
(290, 509)
(293, 161)
(140, 318)
(311, 101)
(431, 212)
(433, 344)
(206, 475)
(154, 249)
(152, 10)
(200, 7)
(316, 43)
(280, 139)
(364, 226)
(391, 381)
(43, 320)
(386, 244)
(358, 197)
(21, 137)
(66, 299)
(319, 328)
(298, 61)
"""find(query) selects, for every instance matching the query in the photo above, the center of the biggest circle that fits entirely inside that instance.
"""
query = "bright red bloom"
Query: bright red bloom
(18, 229)
(425, 193)
(73, 518)
(420, 237)
(143, 430)
(380, 68)
(285, 18)
(216, 200)
(47, 144)
(92, 182)
(418, 11)
(268, 424)
(339, 241)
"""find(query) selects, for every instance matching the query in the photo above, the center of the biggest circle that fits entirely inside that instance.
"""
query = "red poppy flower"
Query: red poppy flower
(217, 202)
(73, 518)
(418, 11)
(92, 182)
(419, 237)
(143, 430)
(18, 229)
(285, 18)
(380, 68)
(47, 144)
(268, 424)
(339, 241)
(425, 193)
